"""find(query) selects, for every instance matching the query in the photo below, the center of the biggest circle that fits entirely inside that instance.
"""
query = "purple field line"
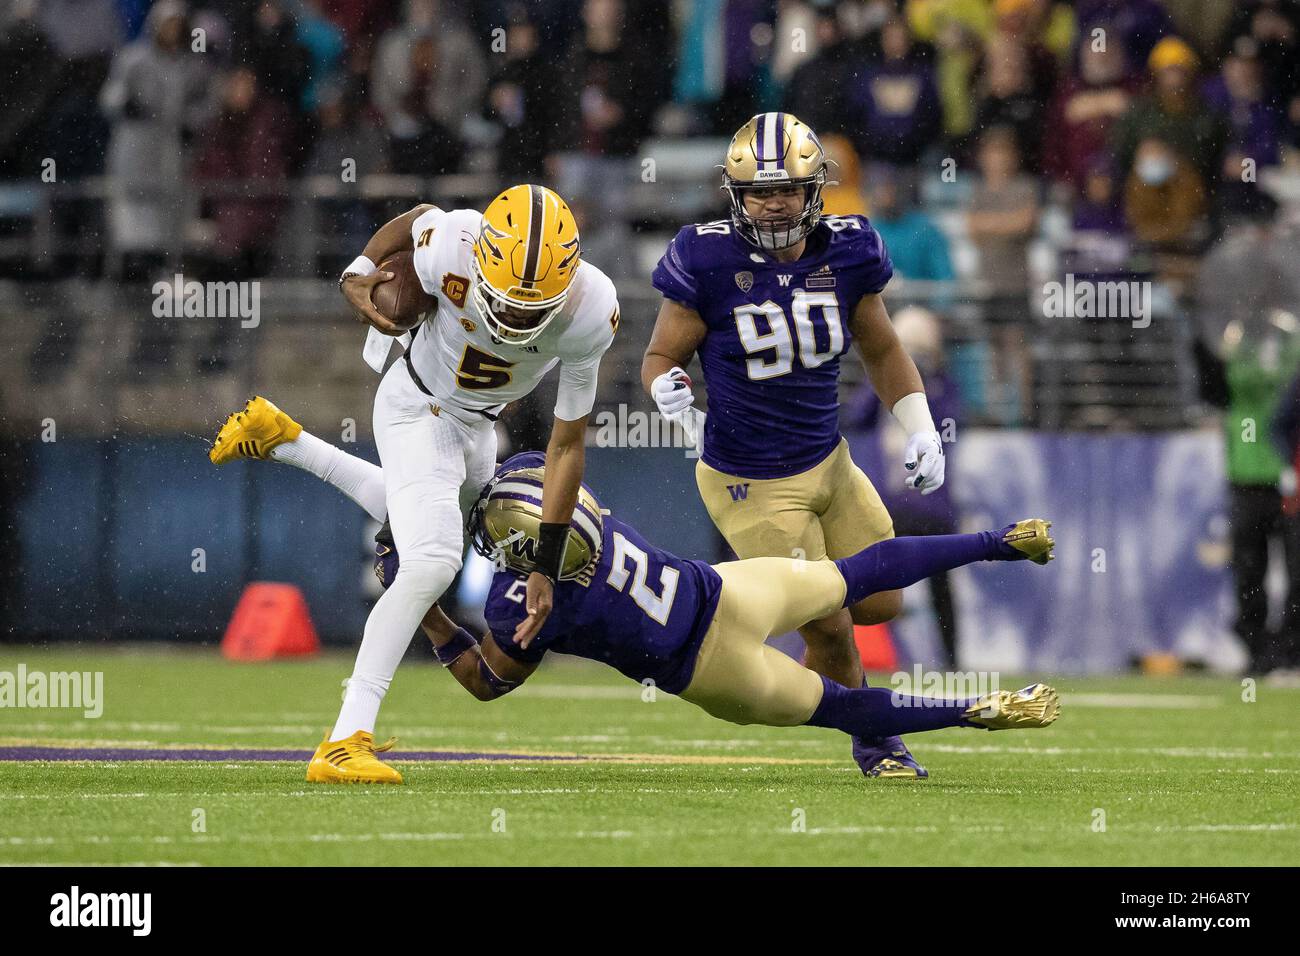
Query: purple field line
(221, 756)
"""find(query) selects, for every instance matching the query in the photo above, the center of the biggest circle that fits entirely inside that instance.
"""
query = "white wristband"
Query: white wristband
(361, 266)
(913, 413)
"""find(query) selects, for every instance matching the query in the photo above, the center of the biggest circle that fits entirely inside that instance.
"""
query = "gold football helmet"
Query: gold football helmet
(775, 150)
(524, 261)
(505, 525)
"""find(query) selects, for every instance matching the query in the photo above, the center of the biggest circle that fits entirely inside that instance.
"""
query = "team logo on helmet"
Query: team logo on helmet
(506, 521)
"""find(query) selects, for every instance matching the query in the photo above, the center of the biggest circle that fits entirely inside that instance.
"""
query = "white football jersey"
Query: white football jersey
(456, 356)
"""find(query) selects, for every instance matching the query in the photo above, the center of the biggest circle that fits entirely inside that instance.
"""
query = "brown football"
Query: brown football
(401, 299)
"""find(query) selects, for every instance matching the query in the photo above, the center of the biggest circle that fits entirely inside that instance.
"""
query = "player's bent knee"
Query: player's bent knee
(827, 632)
(424, 577)
(877, 608)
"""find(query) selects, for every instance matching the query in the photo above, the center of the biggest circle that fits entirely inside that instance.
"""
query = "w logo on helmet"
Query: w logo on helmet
(521, 545)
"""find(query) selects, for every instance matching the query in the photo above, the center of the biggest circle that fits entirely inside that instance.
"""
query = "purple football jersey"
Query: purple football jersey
(776, 331)
(644, 611)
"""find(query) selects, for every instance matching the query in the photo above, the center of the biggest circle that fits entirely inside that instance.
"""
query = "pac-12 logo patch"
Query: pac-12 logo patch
(467, 324)
(454, 288)
(745, 280)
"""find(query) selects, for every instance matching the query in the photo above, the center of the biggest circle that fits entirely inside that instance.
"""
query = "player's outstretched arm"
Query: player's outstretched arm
(360, 278)
(896, 380)
(566, 459)
(677, 335)
(483, 669)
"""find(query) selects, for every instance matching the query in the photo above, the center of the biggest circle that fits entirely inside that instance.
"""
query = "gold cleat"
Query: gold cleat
(352, 760)
(253, 432)
(1031, 538)
(1034, 706)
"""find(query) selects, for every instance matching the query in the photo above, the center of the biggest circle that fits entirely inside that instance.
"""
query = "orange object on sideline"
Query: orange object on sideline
(876, 647)
(271, 620)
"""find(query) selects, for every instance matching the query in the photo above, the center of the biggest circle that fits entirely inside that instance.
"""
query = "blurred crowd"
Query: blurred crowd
(1154, 118)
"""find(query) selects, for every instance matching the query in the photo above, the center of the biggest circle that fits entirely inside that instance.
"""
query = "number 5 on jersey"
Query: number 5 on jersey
(479, 370)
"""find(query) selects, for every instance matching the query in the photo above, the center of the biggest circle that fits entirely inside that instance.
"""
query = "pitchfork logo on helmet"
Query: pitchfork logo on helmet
(524, 261)
(775, 150)
(505, 525)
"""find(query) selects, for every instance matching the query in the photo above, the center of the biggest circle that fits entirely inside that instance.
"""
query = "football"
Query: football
(402, 299)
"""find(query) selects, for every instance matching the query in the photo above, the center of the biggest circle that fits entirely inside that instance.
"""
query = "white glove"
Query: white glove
(923, 460)
(672, 393)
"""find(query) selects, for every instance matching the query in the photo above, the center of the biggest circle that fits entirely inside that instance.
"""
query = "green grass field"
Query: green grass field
(1185, 772)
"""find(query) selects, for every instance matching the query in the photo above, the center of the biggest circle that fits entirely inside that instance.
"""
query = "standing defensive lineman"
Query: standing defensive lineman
(514, 299)
(770, 300)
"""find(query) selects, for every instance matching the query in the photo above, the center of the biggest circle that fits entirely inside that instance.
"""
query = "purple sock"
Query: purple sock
(876, 712)
(898, 562)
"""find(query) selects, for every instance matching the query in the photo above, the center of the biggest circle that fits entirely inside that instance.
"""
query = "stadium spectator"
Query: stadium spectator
(155, 94)
(1097, 208)
(917, 246)
(325, 45)
(1084, 111)
(428, 77)
(1002, 213)
(32, 78)
(1165, 199)
(1254, 126)
(795, 38)
(347, 133)
(1001, 218)
(1274, 27)
(519, 100)
(893, 108)
(1249, 295)
(1135, 26)
(1009, 98)
(1024, 23)
(1173, 113)
(721, 68)
(815, 91)
(85, 35)
(362, 21)
(245, 142)
(611, 80)
(957, 30)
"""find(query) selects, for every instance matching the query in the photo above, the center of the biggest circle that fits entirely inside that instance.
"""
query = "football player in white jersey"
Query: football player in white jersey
(514, 299)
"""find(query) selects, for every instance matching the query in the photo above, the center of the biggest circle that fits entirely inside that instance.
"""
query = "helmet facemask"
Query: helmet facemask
(502, 314)
(774, 234)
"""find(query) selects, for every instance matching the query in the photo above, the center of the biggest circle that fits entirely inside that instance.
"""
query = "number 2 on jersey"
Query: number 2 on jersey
(658, 606)
(780, 342)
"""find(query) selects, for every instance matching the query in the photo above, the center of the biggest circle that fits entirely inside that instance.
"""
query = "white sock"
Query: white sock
(360, 708)
(357, 478)
(389, 629)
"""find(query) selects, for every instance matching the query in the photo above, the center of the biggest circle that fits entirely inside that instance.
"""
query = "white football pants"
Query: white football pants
(434, 465)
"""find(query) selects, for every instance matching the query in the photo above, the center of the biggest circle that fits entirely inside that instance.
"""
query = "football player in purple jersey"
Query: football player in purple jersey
(699, 630)
(770, 299)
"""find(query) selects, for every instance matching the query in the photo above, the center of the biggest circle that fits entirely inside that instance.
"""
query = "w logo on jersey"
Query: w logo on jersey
(739, 492)
(784, 279)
